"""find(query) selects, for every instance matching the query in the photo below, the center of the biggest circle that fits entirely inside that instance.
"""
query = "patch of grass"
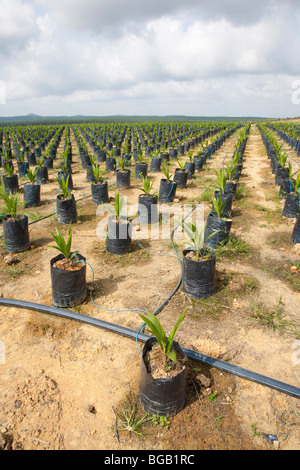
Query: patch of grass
(274, 318)
(130, 419)
(235, 247)
(15, 271)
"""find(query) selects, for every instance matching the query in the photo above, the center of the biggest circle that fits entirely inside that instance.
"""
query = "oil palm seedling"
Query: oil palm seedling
(32, 190)
(164, 394)
(10, 179)
(68, 272)
(15, 226)
(122, 174)
(118, 234)
(147, 203)
(66, 209)
(167, 189)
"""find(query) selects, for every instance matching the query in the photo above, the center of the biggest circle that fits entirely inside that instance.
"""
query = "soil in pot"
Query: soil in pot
(162, 393)
(68, 281)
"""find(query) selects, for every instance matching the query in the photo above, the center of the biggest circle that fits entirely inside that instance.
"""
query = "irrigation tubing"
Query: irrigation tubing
(193, 355)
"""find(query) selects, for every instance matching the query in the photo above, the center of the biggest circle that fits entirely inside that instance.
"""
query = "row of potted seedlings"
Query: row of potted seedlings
(285, 177)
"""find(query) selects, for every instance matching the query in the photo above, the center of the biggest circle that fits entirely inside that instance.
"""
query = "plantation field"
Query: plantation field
(68, 385)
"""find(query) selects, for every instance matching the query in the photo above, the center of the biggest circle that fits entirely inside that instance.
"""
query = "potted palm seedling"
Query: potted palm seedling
(181, 175)
(147, 203)
(155, 161)
(199, 263)
(199, 160)
(23, 165)
(118, 235)
(32, 190)
(141, 166)
(66, 172)
(163, 377)
(65, 203)
(230, 184)
(167, 189)
(227, 198)
(190, 165)
(99, 186)
(292, 202)
(217, 226)
(42, 173)
(15, 226)
(68, 273)
(122, 175)
(111, 161)
(10, 179)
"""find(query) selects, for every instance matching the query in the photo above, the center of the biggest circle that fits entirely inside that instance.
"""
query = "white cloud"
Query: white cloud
(128, 56)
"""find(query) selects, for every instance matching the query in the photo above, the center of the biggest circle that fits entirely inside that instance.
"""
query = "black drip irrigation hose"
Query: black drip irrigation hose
(193, 355)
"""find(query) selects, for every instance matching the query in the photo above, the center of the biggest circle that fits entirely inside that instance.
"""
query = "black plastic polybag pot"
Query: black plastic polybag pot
(118, 236)
(292, 206)
(180, 178)
(68, 287)
(31, 158)
(16, 234)
(48, 162)
(155, 165)
(101, 156)
(100, 193)
(296, 232)
(190, 167)
(123, 179)
(230, 187)
(141, 168)
(111, 163)
(173, 153)
(11, 184)
(198, 276)
(89, 174)
(148, 209)
(42, 175)
(23, 167)
(199, 162)
(162, 397)
(32, 195)
(66, 210)
(281, 175)
(217, 230)
(167, 190)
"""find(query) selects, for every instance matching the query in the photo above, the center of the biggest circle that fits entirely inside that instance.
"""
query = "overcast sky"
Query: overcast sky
(150, 57)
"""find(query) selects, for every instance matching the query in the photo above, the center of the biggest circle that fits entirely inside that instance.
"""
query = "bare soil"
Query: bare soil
(63, 381)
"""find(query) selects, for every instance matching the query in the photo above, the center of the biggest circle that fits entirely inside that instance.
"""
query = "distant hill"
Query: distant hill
(37, 119)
